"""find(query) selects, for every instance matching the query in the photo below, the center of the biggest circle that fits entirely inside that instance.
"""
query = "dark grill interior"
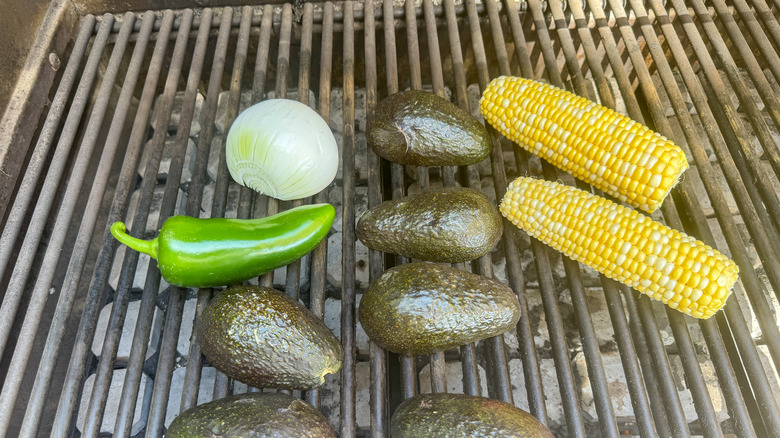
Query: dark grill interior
(135, 131)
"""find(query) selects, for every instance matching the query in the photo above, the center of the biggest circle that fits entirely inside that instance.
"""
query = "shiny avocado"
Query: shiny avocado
(257, 414)
(462, 416)
(422, 308)
(264, 338)
(422, 129)
(447, 225)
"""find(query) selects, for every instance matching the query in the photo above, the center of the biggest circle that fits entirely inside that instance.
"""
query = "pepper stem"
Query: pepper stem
(149, 247)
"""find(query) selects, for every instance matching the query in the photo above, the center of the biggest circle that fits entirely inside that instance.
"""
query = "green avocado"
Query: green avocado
(422, 308)
(264, 338)
(257, 414)
(462, 416)
(422, 129)
(447, 225)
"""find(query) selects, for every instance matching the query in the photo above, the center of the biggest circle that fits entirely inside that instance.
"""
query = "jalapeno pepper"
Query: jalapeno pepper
(194, 252)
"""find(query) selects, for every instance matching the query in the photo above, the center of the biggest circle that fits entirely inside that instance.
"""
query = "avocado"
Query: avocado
(262, 337)
(447, 225)
(422, 129)
(422, 308)
(462, 416)
(253, 414)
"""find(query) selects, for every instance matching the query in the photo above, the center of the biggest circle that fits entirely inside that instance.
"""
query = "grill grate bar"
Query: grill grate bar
(758, 377)
(320, 254)
(498, 381)
(104, 374)
(38, 298)
(54, 340)
(657, 403)
(759, 381)
(32, 238)
(748, 19)
(629, 358)
(147, 308)
(413, 51)
(170, 334)
(728, 226)
(595, 366)
(437, 363)
(407, 367)
(194, 200)
(119, 308)
(293, 271)
(661, 362)
(348, 381)
(634, 381)
(293, 282)
(702, 402)
(468, 354)
(531, 369)
(468, 357)
(753, 369)
(742, 376)
(746, 53)
(76, 368)
(194, 365)
(748, 210)
(694, 378)
(698, 387)
(222, 383)
(377, 355)
(574, 421)
(689, 203)
(162, 381)
(415, 76)
(766, 16)
(434, 54)
(760, 81)
(758, 176)
(39, 156)
(617, 65)
(727, 377)
(248, 197)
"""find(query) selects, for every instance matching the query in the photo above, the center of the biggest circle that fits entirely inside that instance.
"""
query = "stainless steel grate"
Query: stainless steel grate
(94, 342)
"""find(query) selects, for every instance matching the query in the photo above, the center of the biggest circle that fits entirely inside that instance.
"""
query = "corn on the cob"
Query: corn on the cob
(623, 158)
(669, 266)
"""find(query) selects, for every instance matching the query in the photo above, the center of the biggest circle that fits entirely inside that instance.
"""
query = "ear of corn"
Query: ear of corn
(619, 242)
(623, 158)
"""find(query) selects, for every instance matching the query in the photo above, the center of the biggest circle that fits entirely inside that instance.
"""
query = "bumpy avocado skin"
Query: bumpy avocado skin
(422, 308)
(259, 415)
(264, 338)
(462, 416)
(422, 129)
(447, 225)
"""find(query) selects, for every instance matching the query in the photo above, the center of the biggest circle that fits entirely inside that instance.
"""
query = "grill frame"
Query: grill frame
(655, 399)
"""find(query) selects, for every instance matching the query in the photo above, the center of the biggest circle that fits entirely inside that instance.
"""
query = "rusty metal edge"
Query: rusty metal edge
(30, 95)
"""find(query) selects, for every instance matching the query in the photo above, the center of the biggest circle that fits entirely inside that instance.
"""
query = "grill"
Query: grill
(128, 122)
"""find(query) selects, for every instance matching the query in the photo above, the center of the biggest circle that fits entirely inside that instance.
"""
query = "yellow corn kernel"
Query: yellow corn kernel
(661, 262)
(574, 133)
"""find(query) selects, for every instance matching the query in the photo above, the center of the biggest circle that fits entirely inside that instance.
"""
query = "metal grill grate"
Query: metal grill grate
(89, 347)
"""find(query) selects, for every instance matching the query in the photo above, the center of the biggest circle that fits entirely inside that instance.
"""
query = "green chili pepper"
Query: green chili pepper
(193, 252)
